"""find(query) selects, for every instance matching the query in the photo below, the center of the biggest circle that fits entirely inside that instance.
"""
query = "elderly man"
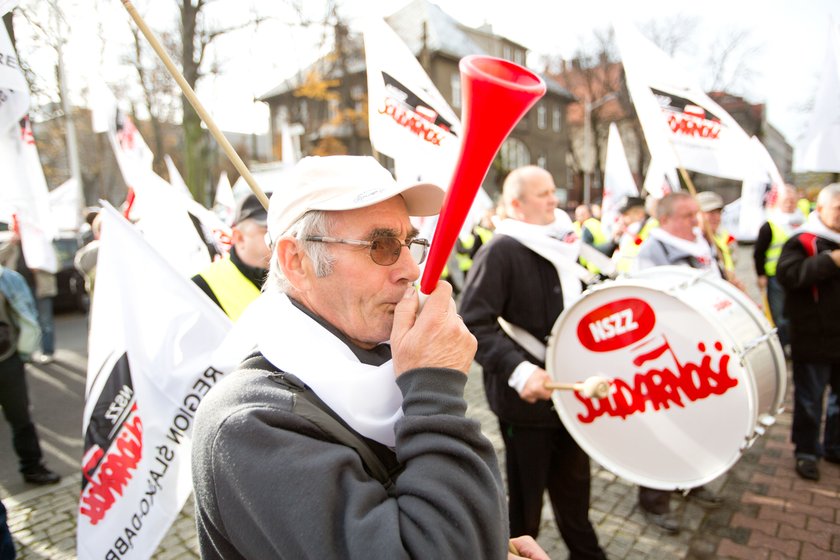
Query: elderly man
(809, 270)
(520, 282)
(330, 442)
(677, 241)
(235, 281)
(782, 220)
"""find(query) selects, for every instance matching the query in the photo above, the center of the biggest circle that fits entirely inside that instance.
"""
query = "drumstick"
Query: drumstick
(595, 386)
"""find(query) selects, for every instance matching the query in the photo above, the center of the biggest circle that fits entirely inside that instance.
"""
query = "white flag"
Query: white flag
(409, 119)
(224, 205)
(6, 6)
(618, 179)
(680, 122)
(24, 194)
(149, 366)
(661, 177)
(763, 178)
(14, 91)
(820, 150)
(65, 206)
(175, 178)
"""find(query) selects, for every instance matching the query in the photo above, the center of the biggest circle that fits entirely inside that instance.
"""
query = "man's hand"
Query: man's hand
(835, 256)
(534, 389)
(436, 337)
(526, 547)
(762, 282)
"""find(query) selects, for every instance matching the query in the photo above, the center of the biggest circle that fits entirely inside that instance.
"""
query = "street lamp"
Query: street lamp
(588, 106)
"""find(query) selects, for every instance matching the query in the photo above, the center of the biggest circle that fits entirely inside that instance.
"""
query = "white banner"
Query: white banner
(820, 150)
(149, 366)
(14, 91)
(175, 178)
(661, 177)
(618, 179)
(409, 119)
(763, 178)
(65, 206)
(24, 194)
(674, 110)
(224, 204)
(6, 6)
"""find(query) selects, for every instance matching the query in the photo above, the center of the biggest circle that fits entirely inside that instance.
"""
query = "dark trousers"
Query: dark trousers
(538, 459)
(776, 301)
(14, 400)
(809, 384)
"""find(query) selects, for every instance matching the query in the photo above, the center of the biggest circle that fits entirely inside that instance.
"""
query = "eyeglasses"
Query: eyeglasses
(384, 250)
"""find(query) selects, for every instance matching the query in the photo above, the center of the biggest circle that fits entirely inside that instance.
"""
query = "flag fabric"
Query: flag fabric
(25, 195)
(6, 6)
(150, 363)
(618, 179)
(175, 178)
(224, 204)
(14, 91)
(661, 177)
(65, 206)
(682, 125)
(409, 119)
(820, 149)
(763, 179)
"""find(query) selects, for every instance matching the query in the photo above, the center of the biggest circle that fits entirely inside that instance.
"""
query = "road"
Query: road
(56, 392)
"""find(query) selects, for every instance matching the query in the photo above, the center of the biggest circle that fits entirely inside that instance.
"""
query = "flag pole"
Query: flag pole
(199, 108)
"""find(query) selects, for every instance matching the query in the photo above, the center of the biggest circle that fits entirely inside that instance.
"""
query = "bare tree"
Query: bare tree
(729, 63)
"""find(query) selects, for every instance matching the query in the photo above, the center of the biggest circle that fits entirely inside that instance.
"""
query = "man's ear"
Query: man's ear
(295, 264)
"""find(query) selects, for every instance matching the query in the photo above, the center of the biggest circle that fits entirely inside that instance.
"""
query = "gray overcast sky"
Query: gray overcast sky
(791, 36)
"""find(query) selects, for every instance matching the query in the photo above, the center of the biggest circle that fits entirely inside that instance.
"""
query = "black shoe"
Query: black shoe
(705, 497)
(807, 469)
(665, 521)
(41, 475)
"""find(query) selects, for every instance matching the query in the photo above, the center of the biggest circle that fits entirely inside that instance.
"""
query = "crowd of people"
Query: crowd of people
(362, 386)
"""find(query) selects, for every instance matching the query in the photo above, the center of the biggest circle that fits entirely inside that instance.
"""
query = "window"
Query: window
(518, 57)
(556, 119)
(506, 54)
(514, 153)
(455, 85)
(542, 161)
(541, 116)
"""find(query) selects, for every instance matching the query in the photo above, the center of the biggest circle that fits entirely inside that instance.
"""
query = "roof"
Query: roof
(444, 35)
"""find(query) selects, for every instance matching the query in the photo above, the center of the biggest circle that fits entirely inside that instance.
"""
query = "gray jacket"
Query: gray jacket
(269, 484)
(654, 252)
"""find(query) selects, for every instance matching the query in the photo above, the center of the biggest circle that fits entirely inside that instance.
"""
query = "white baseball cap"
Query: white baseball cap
(343, 183)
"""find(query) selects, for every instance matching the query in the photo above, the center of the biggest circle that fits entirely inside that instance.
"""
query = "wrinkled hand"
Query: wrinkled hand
(534, 389)
(527, 547)
(436, 337)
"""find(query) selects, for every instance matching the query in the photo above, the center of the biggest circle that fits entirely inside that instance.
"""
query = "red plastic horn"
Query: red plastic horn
(496, 94)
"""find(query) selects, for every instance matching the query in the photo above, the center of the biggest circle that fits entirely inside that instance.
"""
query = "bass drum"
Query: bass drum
(697, 374)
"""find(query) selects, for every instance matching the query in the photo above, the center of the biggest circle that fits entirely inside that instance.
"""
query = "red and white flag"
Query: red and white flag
(683, 126)
(14, 91)
(618, 179)
(409, 119)
(24, 194)
(820, 149)
(150, 364)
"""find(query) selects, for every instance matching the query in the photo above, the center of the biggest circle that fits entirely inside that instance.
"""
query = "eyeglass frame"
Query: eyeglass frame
(369, 244)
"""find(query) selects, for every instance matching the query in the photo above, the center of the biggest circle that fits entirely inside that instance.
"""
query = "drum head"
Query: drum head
(681, 407)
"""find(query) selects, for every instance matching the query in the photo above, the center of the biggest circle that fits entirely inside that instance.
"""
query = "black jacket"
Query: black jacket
(812, 303)
(509, 280)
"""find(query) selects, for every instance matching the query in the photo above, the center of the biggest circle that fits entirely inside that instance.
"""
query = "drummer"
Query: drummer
(521, 277)
(677, 241)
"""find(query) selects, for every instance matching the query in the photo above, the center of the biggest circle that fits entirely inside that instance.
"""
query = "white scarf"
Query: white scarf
(364, 396)
(817, 227)
(553, 243)
(698, 248)
(788, 221)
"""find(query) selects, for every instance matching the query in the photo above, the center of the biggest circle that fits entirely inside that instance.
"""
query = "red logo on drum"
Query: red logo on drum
(615, 325)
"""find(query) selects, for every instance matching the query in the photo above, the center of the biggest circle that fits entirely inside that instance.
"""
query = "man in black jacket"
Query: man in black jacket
(519, 276)
(809, 270)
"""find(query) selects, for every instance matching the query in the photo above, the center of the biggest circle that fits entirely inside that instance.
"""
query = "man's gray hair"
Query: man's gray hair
(313, 223)
(828, 193)
(665, 206)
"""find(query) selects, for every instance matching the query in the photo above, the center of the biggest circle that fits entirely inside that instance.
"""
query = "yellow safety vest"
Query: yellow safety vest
(629, 246)
(467, 243)
(233, 290)
(771, 257)
(804, 206)
(722, 241)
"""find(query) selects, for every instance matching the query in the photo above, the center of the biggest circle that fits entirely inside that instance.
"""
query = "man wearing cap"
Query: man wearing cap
(634, 225)
(519, 284)
(235, 281)
(711, 208)
(344, 434)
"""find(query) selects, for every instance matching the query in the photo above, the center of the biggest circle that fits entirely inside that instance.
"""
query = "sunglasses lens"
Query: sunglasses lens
(418, 250)
(385, 250)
